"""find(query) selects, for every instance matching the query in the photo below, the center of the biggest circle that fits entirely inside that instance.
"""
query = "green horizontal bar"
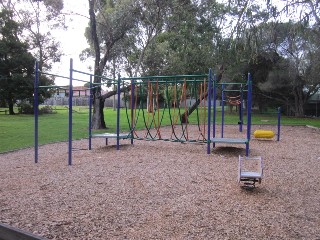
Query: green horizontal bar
(165, 77)
(172, 81)
(53, 86)
(90, 74)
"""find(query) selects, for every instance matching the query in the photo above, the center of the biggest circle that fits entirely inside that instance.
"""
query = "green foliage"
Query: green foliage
(25, 108)
(47, 110)
(37, 19)
(284, 69)
(16, 63)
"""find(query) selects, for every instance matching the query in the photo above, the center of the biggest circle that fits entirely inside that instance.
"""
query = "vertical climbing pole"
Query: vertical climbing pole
(209, 109)
(249, 105)
(279, 117)
(70, 114)
(35, 107)
(241, 109)
(214, 121)
(222, 109)
(118, 112)
(133, 108)
(90, 114)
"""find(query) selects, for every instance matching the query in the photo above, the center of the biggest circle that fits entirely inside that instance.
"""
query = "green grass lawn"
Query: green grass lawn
(18, 131)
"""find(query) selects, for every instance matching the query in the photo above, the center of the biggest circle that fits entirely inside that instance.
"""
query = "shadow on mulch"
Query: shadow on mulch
(114, 147)
(229, 151)
(258, 189)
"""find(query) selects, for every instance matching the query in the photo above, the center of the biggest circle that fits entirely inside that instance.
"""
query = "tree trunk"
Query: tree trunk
(10, 105)
(184, 116)
(299, 101)
(97, 115)
(98, 121)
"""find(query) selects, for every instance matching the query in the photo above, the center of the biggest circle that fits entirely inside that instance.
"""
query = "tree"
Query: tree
(109, 23)
(306, 12)
(292, 79)
(38, 18)
(16, 63)
(269, 48)
(185, 44)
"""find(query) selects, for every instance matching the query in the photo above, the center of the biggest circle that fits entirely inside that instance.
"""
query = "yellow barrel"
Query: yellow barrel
(263, 134)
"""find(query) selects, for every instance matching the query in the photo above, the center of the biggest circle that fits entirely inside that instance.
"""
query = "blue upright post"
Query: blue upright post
(279, 123)
(36, 112)
(132, 109)
(222, 109)
(70, 114)
(249, 104)
(241, 109)
(118, 112)
(214, 108)
(209, 109)
(90, 114)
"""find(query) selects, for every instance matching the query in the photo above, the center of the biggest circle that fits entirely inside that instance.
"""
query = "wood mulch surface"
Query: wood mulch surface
(165, 190)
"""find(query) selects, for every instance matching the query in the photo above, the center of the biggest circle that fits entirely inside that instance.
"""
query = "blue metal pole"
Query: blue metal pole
(241, 109)
(36, 112)
(118, 112)
(70, 114)
(90, 114)
(279, 123)
(222, 109)
(214, 108)
(209, 109)
(249, 105)
(132, 109)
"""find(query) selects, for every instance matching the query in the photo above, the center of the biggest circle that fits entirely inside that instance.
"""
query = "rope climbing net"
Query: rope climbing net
(175, 102)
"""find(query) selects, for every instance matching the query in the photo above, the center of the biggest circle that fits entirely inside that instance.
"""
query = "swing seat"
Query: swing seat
(250, 170)
(263, 134)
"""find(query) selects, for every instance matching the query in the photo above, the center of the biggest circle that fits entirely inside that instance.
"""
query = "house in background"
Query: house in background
(80, 91)
(312, 107)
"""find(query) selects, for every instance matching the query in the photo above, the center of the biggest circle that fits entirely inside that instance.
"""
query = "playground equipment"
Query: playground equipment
(184, 94)
(263, 134)
(250, 170)
(244, 87)
(116, 135)
(178, 93)
(152, 119)
(268, 134)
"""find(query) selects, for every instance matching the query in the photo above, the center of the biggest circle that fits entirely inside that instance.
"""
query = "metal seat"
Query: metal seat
(250, 170)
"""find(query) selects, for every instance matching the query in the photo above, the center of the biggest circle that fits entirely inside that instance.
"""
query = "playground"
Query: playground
(165, 190)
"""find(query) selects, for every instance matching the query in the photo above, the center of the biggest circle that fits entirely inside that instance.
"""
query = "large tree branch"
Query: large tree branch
(114, 92)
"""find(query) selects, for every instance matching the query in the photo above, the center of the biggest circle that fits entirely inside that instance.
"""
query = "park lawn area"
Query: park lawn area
(17, 131)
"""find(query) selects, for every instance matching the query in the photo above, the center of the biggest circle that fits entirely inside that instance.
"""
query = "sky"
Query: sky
(72, 41)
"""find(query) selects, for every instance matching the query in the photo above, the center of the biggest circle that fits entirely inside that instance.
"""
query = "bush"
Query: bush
(47, 110)
(25, 108)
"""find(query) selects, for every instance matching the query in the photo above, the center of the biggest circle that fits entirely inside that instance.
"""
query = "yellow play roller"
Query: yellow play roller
(263, 134)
